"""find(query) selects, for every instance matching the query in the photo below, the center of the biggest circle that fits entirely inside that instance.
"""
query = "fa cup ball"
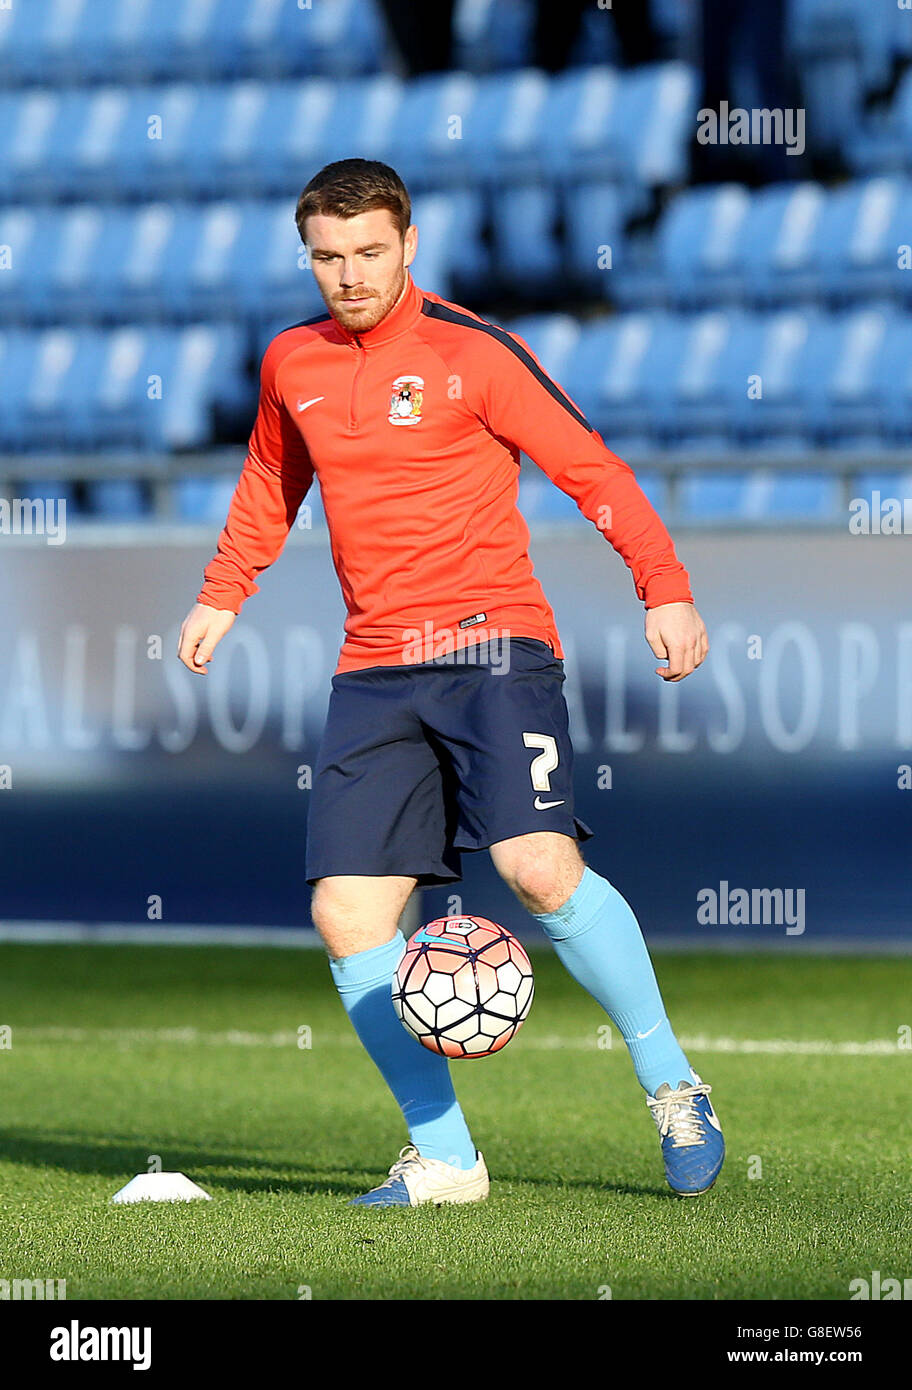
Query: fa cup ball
(463, 986)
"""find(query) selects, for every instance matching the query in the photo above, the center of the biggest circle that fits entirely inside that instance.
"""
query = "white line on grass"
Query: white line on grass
(554, 1042)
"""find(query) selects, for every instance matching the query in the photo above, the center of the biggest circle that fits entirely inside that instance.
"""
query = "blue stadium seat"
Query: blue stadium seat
(362, 122)
(715, 496)
(526, 249)
(603, 370)
(692, 399)
(656, 123)
(116, 499)
(818, 30)
(804, 497)
(594, 219)
(502, 127)
(845, 393)
(881, 143)
(15, 368)
(450, 245)
(760, 496)
(779, 241)
(697, 251)
(202, 498)
(862, 226)
(490, 36)
(598, 123)
(888, 484)
(426, 143)
(62, 363)
(268, 270)
(304, 132)
(620, 373)
(894, 372)
(335, 38)
(203, 366)
(81, 388)
(197, 39)
(24, 43)
(39, 125)
(72, 255)
(552, 338)
(20, 237)
(764, 390)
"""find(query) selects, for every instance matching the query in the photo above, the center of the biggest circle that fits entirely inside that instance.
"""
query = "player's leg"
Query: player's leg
(598, 939)
(506, 730)
(354, 913)
(357, 919)
(375, 828)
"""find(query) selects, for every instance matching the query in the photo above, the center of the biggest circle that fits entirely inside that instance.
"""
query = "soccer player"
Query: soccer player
(447, 727)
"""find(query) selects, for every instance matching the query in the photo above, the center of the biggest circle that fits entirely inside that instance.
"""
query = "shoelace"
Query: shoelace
(677, 1114)
(407, 1155)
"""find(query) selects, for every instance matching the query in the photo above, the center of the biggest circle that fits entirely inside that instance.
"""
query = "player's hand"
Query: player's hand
(676, 633)
(202, 629)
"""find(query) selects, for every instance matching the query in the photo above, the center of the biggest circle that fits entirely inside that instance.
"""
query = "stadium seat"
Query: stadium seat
(116, 499)
(552, 338)
(527, 254)
(602, 372)
(880, 142)
(893, 372)
(205, 498)
(861, 229)
(594, 220)
(88, 388)
(845, 393)
(598, 123)
(779, 243)
(500, 132)
(697, 250)
(71, 42)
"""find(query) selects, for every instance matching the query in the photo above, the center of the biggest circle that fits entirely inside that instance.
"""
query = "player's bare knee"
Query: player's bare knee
(544, 877)
(352, 914)
(323, 911)
(539, 894)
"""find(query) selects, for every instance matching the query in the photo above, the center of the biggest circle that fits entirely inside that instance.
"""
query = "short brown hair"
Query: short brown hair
(351, 186)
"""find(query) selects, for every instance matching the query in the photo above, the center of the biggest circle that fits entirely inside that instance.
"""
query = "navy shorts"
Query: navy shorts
(420, 762)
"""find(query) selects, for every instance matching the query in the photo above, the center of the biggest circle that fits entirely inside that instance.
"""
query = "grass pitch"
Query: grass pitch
(117, 1054)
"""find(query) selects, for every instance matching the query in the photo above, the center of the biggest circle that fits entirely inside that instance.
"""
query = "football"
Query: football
(463, 986)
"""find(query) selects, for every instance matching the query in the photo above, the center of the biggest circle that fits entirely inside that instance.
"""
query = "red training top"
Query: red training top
(414, 429)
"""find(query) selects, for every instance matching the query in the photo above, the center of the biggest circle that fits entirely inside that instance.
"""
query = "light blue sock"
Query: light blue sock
(419, 1079)
(598, 939)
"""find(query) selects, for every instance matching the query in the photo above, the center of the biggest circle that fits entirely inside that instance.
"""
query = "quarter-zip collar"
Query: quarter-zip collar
(398, 321)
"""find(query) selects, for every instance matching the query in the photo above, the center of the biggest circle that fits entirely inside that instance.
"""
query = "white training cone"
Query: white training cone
(161, 1187)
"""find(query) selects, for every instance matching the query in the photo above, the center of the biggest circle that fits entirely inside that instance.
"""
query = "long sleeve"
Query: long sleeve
(274, 481)
(521, 404)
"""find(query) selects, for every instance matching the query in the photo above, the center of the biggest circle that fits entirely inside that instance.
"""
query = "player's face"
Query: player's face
(359, 264)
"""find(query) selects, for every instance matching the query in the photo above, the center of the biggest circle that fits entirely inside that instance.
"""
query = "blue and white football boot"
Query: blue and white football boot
(692, 1143)
(414, 1180)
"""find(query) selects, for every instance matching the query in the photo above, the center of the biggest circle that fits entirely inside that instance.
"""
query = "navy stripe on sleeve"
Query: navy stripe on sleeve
(442, 311)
